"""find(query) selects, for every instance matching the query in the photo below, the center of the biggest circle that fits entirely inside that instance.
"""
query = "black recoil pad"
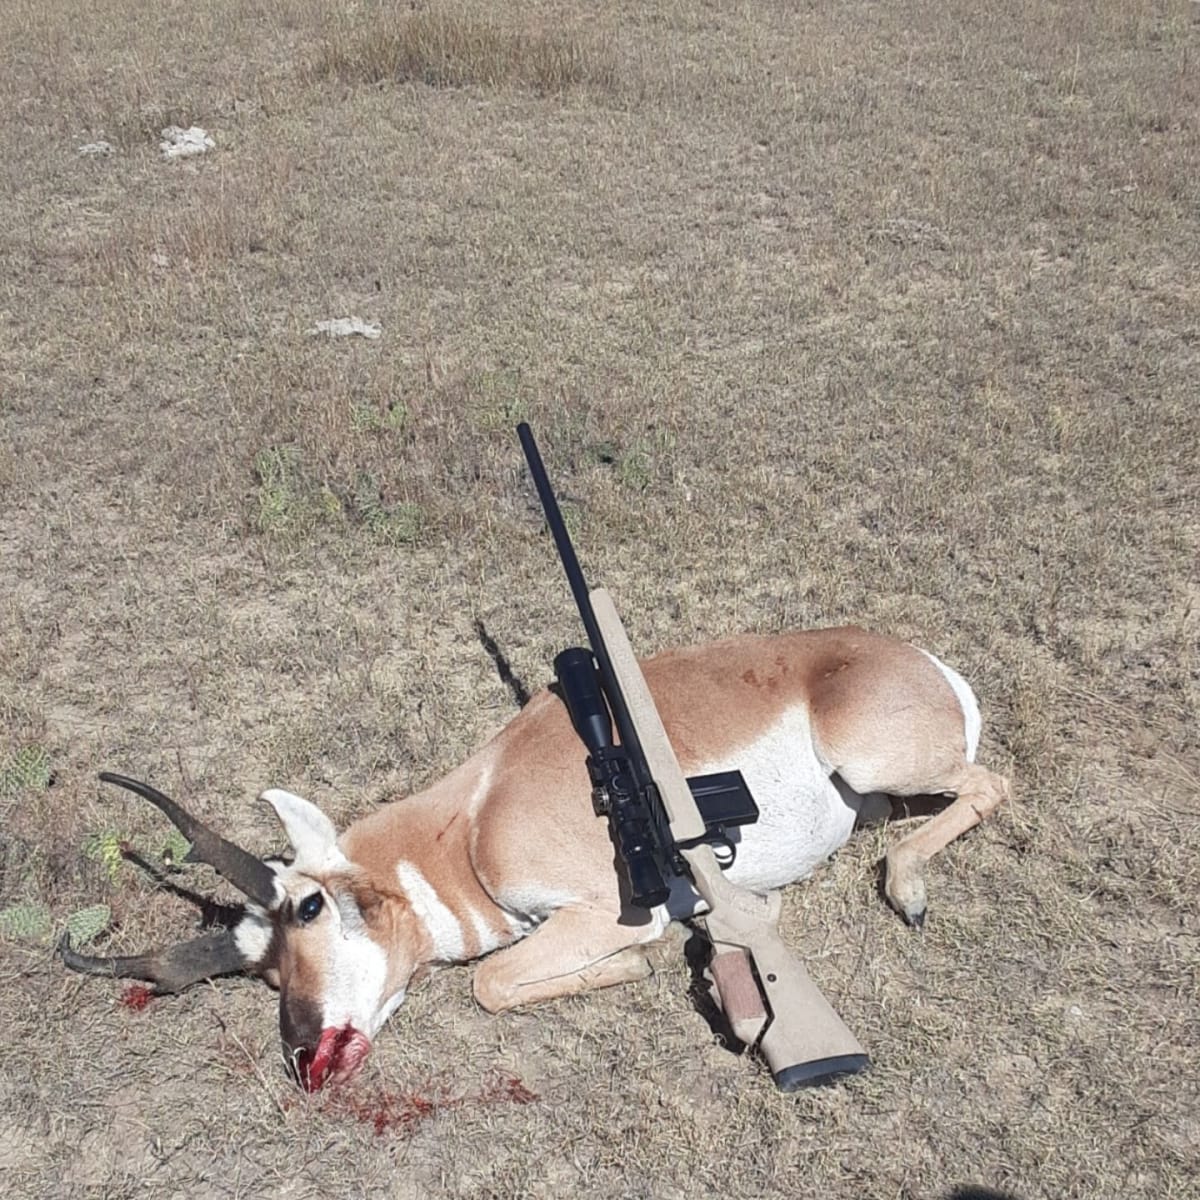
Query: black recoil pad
(820, 1072)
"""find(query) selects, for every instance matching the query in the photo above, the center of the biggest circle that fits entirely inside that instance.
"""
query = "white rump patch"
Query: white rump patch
(445, 930)
(972, 721)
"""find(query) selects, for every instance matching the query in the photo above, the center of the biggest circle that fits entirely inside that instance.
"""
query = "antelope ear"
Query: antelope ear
(310, 831)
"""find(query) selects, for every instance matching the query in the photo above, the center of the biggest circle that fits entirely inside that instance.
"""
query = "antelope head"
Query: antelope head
(316, 928)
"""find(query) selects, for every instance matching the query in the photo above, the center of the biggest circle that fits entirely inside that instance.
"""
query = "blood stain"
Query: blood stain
(136, 996)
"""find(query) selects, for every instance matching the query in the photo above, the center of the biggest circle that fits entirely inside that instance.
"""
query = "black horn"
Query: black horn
(250, 875)
(170, 970)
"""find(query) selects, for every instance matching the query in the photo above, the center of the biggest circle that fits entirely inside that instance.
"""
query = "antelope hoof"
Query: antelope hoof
(905, 890)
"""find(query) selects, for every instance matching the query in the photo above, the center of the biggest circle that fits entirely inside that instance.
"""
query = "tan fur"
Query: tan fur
(515, 822)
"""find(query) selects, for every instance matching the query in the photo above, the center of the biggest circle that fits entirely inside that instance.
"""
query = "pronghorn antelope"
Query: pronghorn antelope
(504, 861)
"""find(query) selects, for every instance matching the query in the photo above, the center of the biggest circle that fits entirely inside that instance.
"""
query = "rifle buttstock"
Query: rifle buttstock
(803, 1040)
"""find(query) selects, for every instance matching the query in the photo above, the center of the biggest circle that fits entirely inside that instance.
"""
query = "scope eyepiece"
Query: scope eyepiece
(646, 885)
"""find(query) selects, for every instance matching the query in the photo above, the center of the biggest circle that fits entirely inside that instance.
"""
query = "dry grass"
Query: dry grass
(852, 312)
(441, 48)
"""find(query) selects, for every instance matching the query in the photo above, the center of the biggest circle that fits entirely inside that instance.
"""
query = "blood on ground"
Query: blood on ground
(136, 996)
(401, 1112)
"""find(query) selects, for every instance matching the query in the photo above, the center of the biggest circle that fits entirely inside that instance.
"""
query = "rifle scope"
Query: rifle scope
(615, 793)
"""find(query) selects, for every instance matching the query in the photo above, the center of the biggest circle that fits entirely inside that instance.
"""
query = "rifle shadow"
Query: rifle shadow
(213, 914)
(974, 1191)
(696, 952)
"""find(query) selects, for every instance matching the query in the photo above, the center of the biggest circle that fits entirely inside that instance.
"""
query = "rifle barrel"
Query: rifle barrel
(630, 742)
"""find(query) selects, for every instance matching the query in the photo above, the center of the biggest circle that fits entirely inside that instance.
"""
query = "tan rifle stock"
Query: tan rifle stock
(767, 996)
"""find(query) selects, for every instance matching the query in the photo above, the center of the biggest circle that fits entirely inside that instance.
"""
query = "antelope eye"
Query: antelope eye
(309, 907)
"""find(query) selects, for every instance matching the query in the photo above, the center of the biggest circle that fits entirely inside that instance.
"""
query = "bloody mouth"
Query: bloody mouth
(337, 1058)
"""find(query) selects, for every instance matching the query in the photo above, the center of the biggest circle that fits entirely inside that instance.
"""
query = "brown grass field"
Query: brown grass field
(823, 312)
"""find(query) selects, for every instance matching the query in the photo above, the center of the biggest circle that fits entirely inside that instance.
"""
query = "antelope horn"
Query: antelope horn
(251, 876)
(170, 970)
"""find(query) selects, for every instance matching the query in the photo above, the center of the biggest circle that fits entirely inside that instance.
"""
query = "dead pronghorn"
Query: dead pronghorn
(505, 858)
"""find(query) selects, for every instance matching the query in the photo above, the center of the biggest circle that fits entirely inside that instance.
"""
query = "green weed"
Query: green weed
(377, 418)
(396, 524)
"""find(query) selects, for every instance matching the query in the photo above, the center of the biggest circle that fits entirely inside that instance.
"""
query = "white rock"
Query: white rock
(185, 143)
(94, 149)
(346, 327)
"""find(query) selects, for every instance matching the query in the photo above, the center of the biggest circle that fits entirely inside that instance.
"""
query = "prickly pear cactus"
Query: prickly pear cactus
(84, 924)
(175, 847)
(32, 922)
(28, 770)
(87, 923)
(105, 848)
(25, 923)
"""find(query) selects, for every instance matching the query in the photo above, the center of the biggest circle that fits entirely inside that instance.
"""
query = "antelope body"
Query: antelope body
(504, 861)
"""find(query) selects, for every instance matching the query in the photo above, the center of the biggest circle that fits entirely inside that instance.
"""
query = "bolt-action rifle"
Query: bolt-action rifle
(667, 827)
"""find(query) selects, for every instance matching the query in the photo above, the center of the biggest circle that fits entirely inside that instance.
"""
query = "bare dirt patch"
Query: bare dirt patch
(838, 312)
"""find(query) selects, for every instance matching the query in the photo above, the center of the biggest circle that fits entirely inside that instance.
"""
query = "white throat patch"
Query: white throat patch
(355, 976)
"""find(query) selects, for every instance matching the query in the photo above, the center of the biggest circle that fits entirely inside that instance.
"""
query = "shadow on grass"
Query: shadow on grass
(213, 914)
(696, 952)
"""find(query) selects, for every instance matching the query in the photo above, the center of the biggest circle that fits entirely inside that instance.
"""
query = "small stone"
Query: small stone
(346, 327)
(185, 143)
